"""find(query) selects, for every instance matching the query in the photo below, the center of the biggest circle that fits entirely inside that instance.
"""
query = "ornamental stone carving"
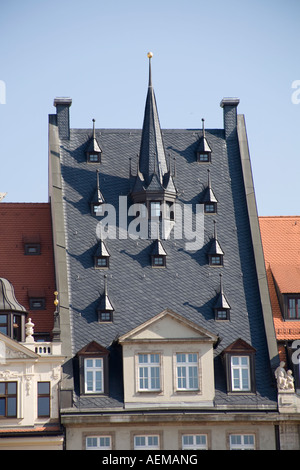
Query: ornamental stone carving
(285, 379)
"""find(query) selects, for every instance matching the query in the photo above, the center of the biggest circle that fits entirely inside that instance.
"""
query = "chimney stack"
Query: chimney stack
(229, 106)
(63, 119)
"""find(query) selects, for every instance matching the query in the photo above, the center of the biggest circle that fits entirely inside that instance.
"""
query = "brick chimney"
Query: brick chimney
(63, 119)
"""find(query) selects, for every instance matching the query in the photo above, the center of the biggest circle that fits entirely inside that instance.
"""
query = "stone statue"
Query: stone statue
(285, 379)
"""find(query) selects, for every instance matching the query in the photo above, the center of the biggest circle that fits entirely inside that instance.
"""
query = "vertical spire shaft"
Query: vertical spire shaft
(150, 55)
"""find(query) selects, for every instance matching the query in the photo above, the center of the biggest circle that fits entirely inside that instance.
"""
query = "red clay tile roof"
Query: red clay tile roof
(281, 245)
(30, 275)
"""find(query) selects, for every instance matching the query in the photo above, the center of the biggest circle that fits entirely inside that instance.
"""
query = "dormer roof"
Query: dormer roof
(98, 196)
(8, 301)
(93, 146)
(208, 194)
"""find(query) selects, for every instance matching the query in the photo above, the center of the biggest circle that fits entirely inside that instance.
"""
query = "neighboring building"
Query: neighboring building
(30, 351)
(169, 340)
(281, 242)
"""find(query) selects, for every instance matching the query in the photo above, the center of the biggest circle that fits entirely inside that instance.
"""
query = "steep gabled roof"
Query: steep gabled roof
(281, 240)
(188, 284)
(29, 275)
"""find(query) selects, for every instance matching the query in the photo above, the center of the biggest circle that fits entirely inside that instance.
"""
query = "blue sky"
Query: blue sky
(95, 52)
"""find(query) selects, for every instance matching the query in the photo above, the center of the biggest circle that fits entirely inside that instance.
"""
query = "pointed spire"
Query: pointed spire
(152, 165)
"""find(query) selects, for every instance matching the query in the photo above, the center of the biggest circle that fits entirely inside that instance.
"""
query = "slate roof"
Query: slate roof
(188, 285)
(29, 275)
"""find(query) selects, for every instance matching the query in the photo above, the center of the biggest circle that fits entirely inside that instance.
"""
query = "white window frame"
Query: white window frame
(155, 208)
(184, 371)
(93, 374)
(146, 371)
(193, 444)
(240, 371)
(148, 442)
(243, 444)
(100, 443)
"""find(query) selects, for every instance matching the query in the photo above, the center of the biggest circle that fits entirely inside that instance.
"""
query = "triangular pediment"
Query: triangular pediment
(168, 326)
(11, 350)
(239, 346)
(92, 348)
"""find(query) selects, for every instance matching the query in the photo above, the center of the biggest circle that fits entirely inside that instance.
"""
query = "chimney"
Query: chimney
(63, 119)
(229, 106)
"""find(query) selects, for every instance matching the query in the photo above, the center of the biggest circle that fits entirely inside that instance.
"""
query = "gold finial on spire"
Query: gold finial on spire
(56, 301)
(150, 55)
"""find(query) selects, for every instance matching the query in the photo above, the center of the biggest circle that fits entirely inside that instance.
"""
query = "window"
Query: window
(158, 261)
(4, 324)
(32, 249)
(97, 208)
(194, 442)
(146, 442)
(242, 442)
(210, 207)
(155, 209)
(94, 157)
(37, 303)
(93, 369)
(222, 314)
(98, 443)
(204, 157)
(149, 372)
(101, 261)
(8, 399)
(105, 316)
(216, 260)
(12, 325)
(187, 371)
(240, 373)
(293, 310)
(239, 362)
(43, 399)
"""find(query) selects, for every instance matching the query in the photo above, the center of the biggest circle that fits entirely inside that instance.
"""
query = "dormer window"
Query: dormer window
(221, 306)
(101, 258)
(158, 261)
(208, 198)
(204, 150)
(210, 207)
(12, 314)
(105, 309)
(293, 307)
(32, 249)
(240, 367)
(93, 369)
(97, 203)
(215, 253)
(158, 255)
(204, 157)
(94, 158)
(93, 151)
(37, 303)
